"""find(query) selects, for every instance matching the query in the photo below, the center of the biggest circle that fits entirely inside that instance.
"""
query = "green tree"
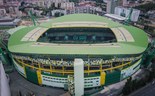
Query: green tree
(146, 7)
(52, 7)
(76, 1)
(59, 6)
(57, 14)
(128, 87)
(99, 1)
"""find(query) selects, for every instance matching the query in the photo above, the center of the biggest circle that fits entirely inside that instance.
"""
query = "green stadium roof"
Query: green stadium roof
(139, 45)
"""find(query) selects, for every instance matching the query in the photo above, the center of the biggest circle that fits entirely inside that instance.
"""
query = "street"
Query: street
(148, 90)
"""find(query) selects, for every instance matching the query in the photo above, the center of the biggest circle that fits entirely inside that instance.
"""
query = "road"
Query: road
(148, 90)
(19, 83)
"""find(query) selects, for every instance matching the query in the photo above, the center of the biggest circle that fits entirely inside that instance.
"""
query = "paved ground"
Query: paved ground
(115, 89)
(148, 90)
(112, 90)
(18, 83)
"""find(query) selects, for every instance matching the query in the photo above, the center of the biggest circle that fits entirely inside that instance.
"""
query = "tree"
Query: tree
(59, 6)
(99, 1)
(146, 7)
(128, 87)
(52, 7)
(57, 14)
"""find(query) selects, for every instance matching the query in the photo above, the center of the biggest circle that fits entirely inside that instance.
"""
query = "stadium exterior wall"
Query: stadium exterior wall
(49, 79)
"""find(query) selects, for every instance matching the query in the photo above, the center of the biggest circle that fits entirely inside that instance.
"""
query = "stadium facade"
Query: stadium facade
(44, 54)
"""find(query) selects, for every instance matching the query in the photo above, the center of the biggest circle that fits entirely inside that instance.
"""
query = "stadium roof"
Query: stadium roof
(130, 40)
(114, 16)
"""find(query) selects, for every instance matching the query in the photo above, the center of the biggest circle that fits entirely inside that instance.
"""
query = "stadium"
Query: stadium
(44, 54)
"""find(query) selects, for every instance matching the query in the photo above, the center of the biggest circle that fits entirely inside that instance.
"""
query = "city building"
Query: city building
(44, 54)
(47, 3)
(10, 7)
(125, 12)
(133, 3)
(85, 7)
(111, 4)
(67, 5)
(125, 2)
(7, 21)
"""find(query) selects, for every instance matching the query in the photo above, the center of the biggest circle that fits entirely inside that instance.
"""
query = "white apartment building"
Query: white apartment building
(67, 5)
(121, 10)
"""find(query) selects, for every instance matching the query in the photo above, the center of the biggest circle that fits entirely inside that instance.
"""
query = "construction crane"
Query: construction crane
(128, 18)
(33, 18)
